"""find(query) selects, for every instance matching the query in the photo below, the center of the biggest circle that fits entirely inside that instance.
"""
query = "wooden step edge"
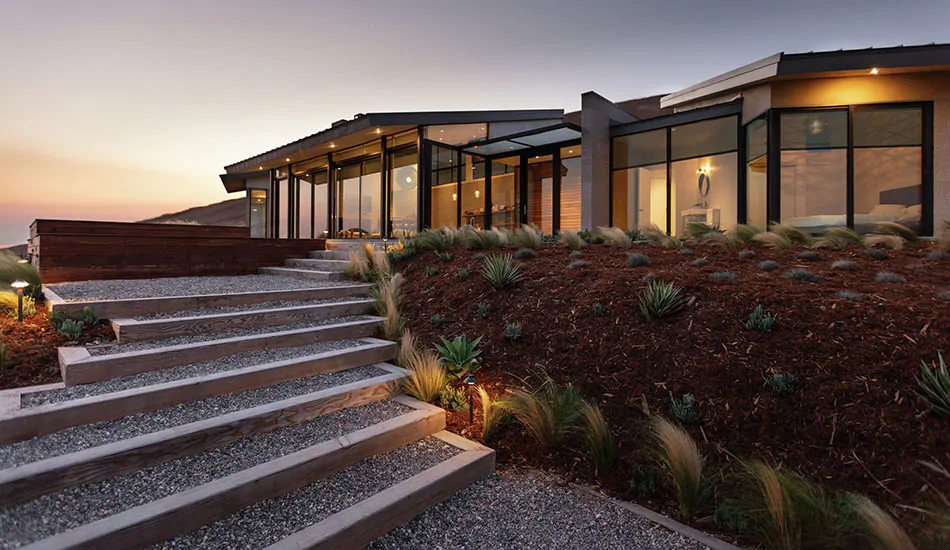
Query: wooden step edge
(314, 274)
(28, 481)
(188, 510)
(110, 309)
(79, 367)
(46, 419)
(364, 522)
(131, 330)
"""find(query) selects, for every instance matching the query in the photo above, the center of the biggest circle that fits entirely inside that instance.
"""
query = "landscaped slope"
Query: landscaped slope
(852, 423)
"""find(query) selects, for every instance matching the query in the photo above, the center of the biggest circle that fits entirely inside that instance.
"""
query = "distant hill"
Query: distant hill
(231, 212)
(18, 250)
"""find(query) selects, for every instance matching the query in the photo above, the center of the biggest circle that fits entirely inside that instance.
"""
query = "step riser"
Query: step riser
(319, 265)
(78, 367)
(353, 244)
(303, 274)
(46, 419)
(31, 480)
(330, 255)
(129, 330)
(112, 309)
(186, 511)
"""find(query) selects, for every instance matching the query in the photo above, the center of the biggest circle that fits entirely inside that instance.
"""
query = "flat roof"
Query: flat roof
(363, 127)
(538, 137)
(838, 61)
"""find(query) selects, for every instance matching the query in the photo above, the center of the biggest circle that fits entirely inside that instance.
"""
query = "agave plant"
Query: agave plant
(659, 300)
(460, 356)
(933, 386)
(501, 270)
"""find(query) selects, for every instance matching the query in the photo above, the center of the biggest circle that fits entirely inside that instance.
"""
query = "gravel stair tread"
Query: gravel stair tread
(205, 311)
(74, 506)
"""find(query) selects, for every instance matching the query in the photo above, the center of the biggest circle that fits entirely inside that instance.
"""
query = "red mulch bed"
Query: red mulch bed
(853, 423)
(32, 356)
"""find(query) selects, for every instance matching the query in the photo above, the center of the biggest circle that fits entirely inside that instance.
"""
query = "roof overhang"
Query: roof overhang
(746, 75)
(514, 143)
(364, 128)
(237, 181)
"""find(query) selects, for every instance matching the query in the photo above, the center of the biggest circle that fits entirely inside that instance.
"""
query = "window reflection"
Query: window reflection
(504, 192)
(571, 188)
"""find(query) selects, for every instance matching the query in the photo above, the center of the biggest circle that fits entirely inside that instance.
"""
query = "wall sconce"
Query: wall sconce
(477, 193)
(19, 286)
(455, 197)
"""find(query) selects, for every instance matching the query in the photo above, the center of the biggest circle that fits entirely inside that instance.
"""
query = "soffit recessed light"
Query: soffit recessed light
(874, 70)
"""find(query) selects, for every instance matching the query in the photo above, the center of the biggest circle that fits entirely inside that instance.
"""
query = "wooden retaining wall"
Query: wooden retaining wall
(85, 250)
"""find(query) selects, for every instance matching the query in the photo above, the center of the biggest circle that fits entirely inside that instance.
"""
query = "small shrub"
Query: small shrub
(888, 277)
(426, 379)
(933, 386)
(685, 251)
(938, 255)
(809, 256)
(525, 254)
(71, 329)
(730, 516)
(850, 295)
(437, 320)
(483, 309)
(401, 252)
(746, 254)
(643, 480)
(454, 399)
(492, 413)
(801, 275)
(944, 295)
(578, 264)
(845, 265)
(590, 238)
(549, 414)
(768, 265)
(659, 300)
(430, 270)
(444, 256)
(917, 266)
(501, 270)
(700, 262)
(513, 331)
(572, 240)
(637, 260)
(600, 442)
(760, 320)
(10, 305)
(577, 254)
(781, 383)
(877, 253)
(527, 236)
(464, 273)
(679, 455)
(615, 236)
(598, 308)
(460, 356)
(89, 317)
(722, 275)
(686, 409)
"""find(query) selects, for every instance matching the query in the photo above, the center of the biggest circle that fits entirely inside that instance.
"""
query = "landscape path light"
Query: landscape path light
(470, 381)
(19, 286)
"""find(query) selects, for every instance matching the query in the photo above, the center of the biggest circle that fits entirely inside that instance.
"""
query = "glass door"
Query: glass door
(541, 193)
(358, 197)
(505, 192)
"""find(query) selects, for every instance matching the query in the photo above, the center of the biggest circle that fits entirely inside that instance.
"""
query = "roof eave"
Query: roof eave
(746, 75)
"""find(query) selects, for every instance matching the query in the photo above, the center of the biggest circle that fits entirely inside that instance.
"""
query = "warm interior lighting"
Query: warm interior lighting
(378, 131)
(287, 159)
(817, 126)
(455, 197)
(874, 70)
(477, 193)
(260, 167)
(408, 179)
(332, 146)
(703, 170)
(570, 150)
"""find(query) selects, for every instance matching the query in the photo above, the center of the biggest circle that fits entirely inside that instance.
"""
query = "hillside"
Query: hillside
(231, 212)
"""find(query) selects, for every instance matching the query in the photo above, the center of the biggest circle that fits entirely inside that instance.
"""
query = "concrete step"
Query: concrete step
(354, 244)
(303, 273)
(318, 264)
(42, 420)
(29, 480)
(110, 309)
(78, 366)
(343, 255)
(131, 330)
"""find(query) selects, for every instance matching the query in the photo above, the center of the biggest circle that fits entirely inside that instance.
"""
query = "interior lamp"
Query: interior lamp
(455, 196)
(19, 286)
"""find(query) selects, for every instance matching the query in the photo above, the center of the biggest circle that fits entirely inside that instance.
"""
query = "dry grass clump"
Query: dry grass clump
(408, 349)
(894, 242)
(746, 233)
(549, 414)
(773, 240)
(504, 235)
(770, 507)
(880, 529)
(13, 269)
(718, 238)
(894, 228)
(426, 378)
(493, 413)
(679, 455)
(791, 233)
(438, 240)
(837, 238)
(572, 239)
(659, 237)
(472, 238)
(614, 236)
(527, 236)
(387, 297)
(600, 442)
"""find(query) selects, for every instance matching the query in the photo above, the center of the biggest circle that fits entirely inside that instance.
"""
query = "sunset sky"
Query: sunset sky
(123, 110)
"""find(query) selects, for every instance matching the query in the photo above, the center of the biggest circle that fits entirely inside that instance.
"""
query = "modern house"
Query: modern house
(816, 140)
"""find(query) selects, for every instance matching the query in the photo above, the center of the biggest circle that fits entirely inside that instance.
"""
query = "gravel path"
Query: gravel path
(72, 507)
(196, 312)
(91, 435)
(192, 339)
(270, 521)
(530, 510)
(231, 362)
(125, 289)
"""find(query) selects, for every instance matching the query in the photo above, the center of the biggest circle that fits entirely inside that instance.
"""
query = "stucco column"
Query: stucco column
(598, 114)
(941, 164)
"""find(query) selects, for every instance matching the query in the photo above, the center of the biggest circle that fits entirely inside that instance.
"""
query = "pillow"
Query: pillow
(894, 211)
(912, 212)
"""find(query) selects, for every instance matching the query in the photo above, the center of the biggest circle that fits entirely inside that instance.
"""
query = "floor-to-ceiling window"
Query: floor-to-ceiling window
(570, 208)
(704, 176)
(404, 192)
(321, 197)
(283, 206)
(348, 202)
(444, 197)
(639, 180)
(505, 192)
(541, 193)
(305, 206)
(258, 214)
(757, 162)
(473, 192)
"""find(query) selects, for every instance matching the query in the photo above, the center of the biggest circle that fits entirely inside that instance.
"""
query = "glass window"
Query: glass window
(571, 188)
(757, 133)
(305, 207)
(321, 196)
(258, 220)
(371, 212)
(639, 197)
(404, 197)
(348, 202)
(888, 127)
(704, 138)
(705, 190)
(366, 149)
(541, 193)
(310, 165)
(405, 138)
(814, 129)
(445, 172)
(457, 134)
(505, 192)
(639, 149)
(283, 211)
(473, 192)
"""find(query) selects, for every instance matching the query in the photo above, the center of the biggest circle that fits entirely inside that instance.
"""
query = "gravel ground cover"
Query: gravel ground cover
(514, 509)
(127, 289)
(267, 522)
(72, 507)
(198, 312)
(91, 435)
(229, 363)
(206, 337)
